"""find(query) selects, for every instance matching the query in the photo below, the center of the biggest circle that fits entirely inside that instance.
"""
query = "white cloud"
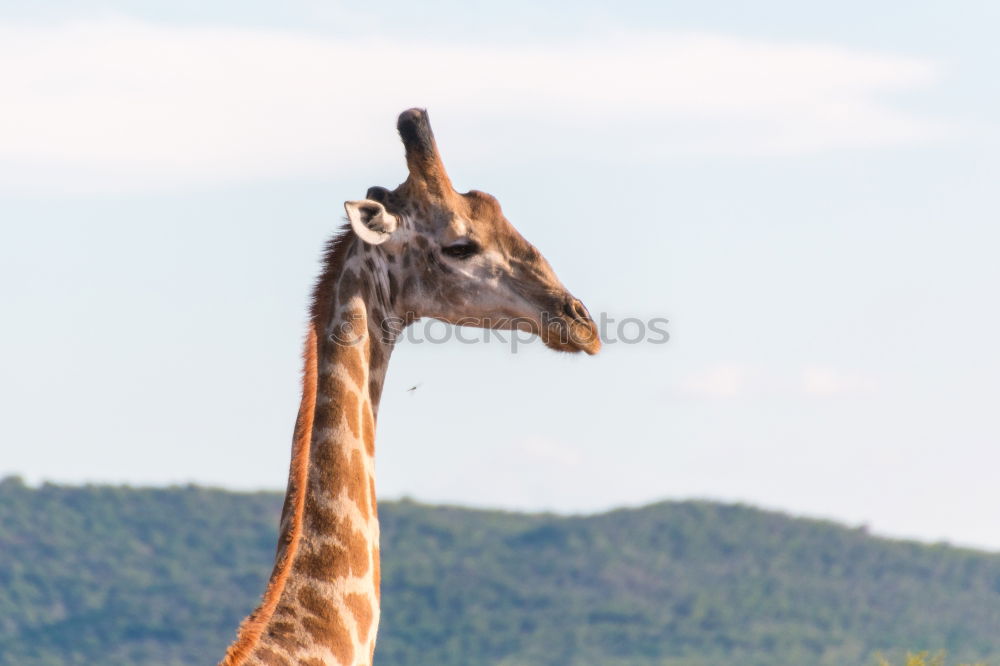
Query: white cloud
(118, 104)
(720, 381)
(824, 381)
(731, 380)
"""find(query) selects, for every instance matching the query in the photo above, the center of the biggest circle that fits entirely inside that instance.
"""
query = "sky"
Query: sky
(806, 193)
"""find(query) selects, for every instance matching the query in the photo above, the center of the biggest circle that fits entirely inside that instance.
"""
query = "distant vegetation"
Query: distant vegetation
(119, 576)
(921, 659)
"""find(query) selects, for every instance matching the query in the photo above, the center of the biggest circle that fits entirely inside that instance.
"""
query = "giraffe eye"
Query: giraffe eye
(461, 250)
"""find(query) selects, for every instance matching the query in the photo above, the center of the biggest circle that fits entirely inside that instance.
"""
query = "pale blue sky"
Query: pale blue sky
(808, 193)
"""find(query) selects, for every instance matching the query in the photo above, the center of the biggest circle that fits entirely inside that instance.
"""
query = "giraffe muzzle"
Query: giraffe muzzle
(571, 329)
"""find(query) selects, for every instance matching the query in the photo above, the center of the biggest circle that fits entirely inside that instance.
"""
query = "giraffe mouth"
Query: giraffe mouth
(572, 337)
(570, 329)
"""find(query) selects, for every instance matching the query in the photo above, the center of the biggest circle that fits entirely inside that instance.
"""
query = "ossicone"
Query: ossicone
(422, 157)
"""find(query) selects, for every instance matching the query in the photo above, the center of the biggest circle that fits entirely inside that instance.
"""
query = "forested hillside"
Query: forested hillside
(122, 576)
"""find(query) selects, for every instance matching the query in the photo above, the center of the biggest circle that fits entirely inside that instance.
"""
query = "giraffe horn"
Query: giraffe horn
(422, 157)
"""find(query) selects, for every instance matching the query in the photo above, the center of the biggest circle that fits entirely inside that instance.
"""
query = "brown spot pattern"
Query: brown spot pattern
(343, 404)
(287, 611)
(329, 562)
(356, 486)
(332, 412)
(332, 634)
(282, 634)
(318, 518)
(313, 602)
(330, 472)
(334, 560)
(357, 549)
(271, 658)
(348, 286)
(361, 608)
(353, 364)
(326, 626)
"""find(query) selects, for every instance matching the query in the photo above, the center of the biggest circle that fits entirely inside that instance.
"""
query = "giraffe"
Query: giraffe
(421, 250)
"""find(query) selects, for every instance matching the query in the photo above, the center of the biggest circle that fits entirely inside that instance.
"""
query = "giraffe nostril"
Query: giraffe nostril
(577, 311)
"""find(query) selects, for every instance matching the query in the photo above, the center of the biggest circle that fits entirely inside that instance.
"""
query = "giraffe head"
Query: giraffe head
(455, 257)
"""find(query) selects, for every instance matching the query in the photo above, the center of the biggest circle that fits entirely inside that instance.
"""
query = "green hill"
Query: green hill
(117, 575)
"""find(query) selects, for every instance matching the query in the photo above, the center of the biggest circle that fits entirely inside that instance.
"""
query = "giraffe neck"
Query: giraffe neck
(321, 607)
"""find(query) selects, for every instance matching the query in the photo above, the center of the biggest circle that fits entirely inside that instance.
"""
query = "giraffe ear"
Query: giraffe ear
(370, 220)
